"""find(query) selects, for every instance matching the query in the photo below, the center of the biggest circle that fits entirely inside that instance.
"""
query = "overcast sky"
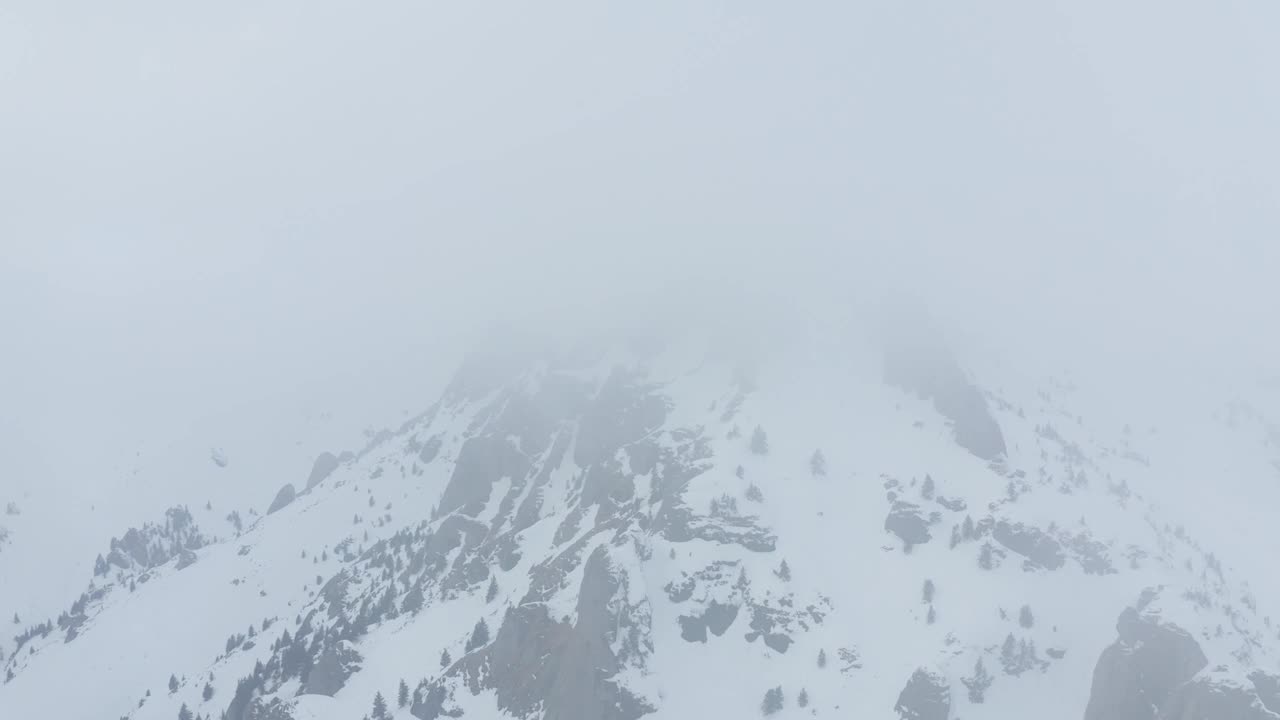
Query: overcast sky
(218, 209)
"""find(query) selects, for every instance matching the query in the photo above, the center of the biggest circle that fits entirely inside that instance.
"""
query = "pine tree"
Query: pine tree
(1025, 618)
(984, 557)
(100, 566)
(978, 684)
(1009, 654)
(818, 464)
(402, 698)
(968, 531)
(926, 490)
(16, 621)
(803, 698)
(784, 571)
(479, 636)
(208, 692)
(759, 441)
(173, 684)
(184, 713)
(955, 536)
(822, 658)
(932, 617)
(928, 591)
(379, 707)
(445, 660)
(773, 701)
(493, 590)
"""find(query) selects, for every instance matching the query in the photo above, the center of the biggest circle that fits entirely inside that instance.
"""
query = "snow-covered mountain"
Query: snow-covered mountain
(630, 530)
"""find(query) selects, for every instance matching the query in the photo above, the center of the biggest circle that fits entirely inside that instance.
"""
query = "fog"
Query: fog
(227, 212)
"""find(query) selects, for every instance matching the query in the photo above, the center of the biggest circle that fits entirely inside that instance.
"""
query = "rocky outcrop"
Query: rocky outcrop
(927, 696)
(334, 666)
(1207, 698)
(283, 498)
(322, 468)
(906, 521)
(482, 461)
(1038, 547)
(1142, 669)
(917, 361)
(553, 668)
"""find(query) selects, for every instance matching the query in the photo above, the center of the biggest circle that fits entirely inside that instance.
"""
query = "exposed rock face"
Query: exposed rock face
(927, 696)
(906, 522)
(283, 498)
(332, 669)
(1141, 671)
(919, 363)
(322, 468)
(1206, 699)
(564, 670)
(1268, 689)
(717, 618)
(1038, 547)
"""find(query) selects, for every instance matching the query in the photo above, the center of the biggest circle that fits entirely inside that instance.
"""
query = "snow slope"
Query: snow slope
(647, 533)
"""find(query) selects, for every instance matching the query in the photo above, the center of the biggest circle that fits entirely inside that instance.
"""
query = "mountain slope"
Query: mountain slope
(626, 532)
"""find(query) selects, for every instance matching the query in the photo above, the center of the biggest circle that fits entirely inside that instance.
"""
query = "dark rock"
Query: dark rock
(1036, 546)
(1204, 699)
(1268, 689)
(1092, 555)
(1140, 671)
(430, 449)
(283, 498)
(917, 361)
(927, 696)
(482, 461)
(906, 522)
(334, 666)
(565, 671)
(693, 628)
(322, 468)
(624, 411)
(719, 617)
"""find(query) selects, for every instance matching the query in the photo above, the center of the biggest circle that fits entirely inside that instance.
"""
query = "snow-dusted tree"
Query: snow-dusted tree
(173, 684)
(818, 463)
(822, 658)
(479, 636)
(773, 701)
(1025, 618)
(184, 713)
(803, 698)
(759, 441)
(379, 707)
(932, 617)
(926, 490)
(493, 590)
(784, 571)
(927, 591)
(402, 697)
(985, 560)
(208, 692)
(753, 493)
(445, 660)
(978, 684)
